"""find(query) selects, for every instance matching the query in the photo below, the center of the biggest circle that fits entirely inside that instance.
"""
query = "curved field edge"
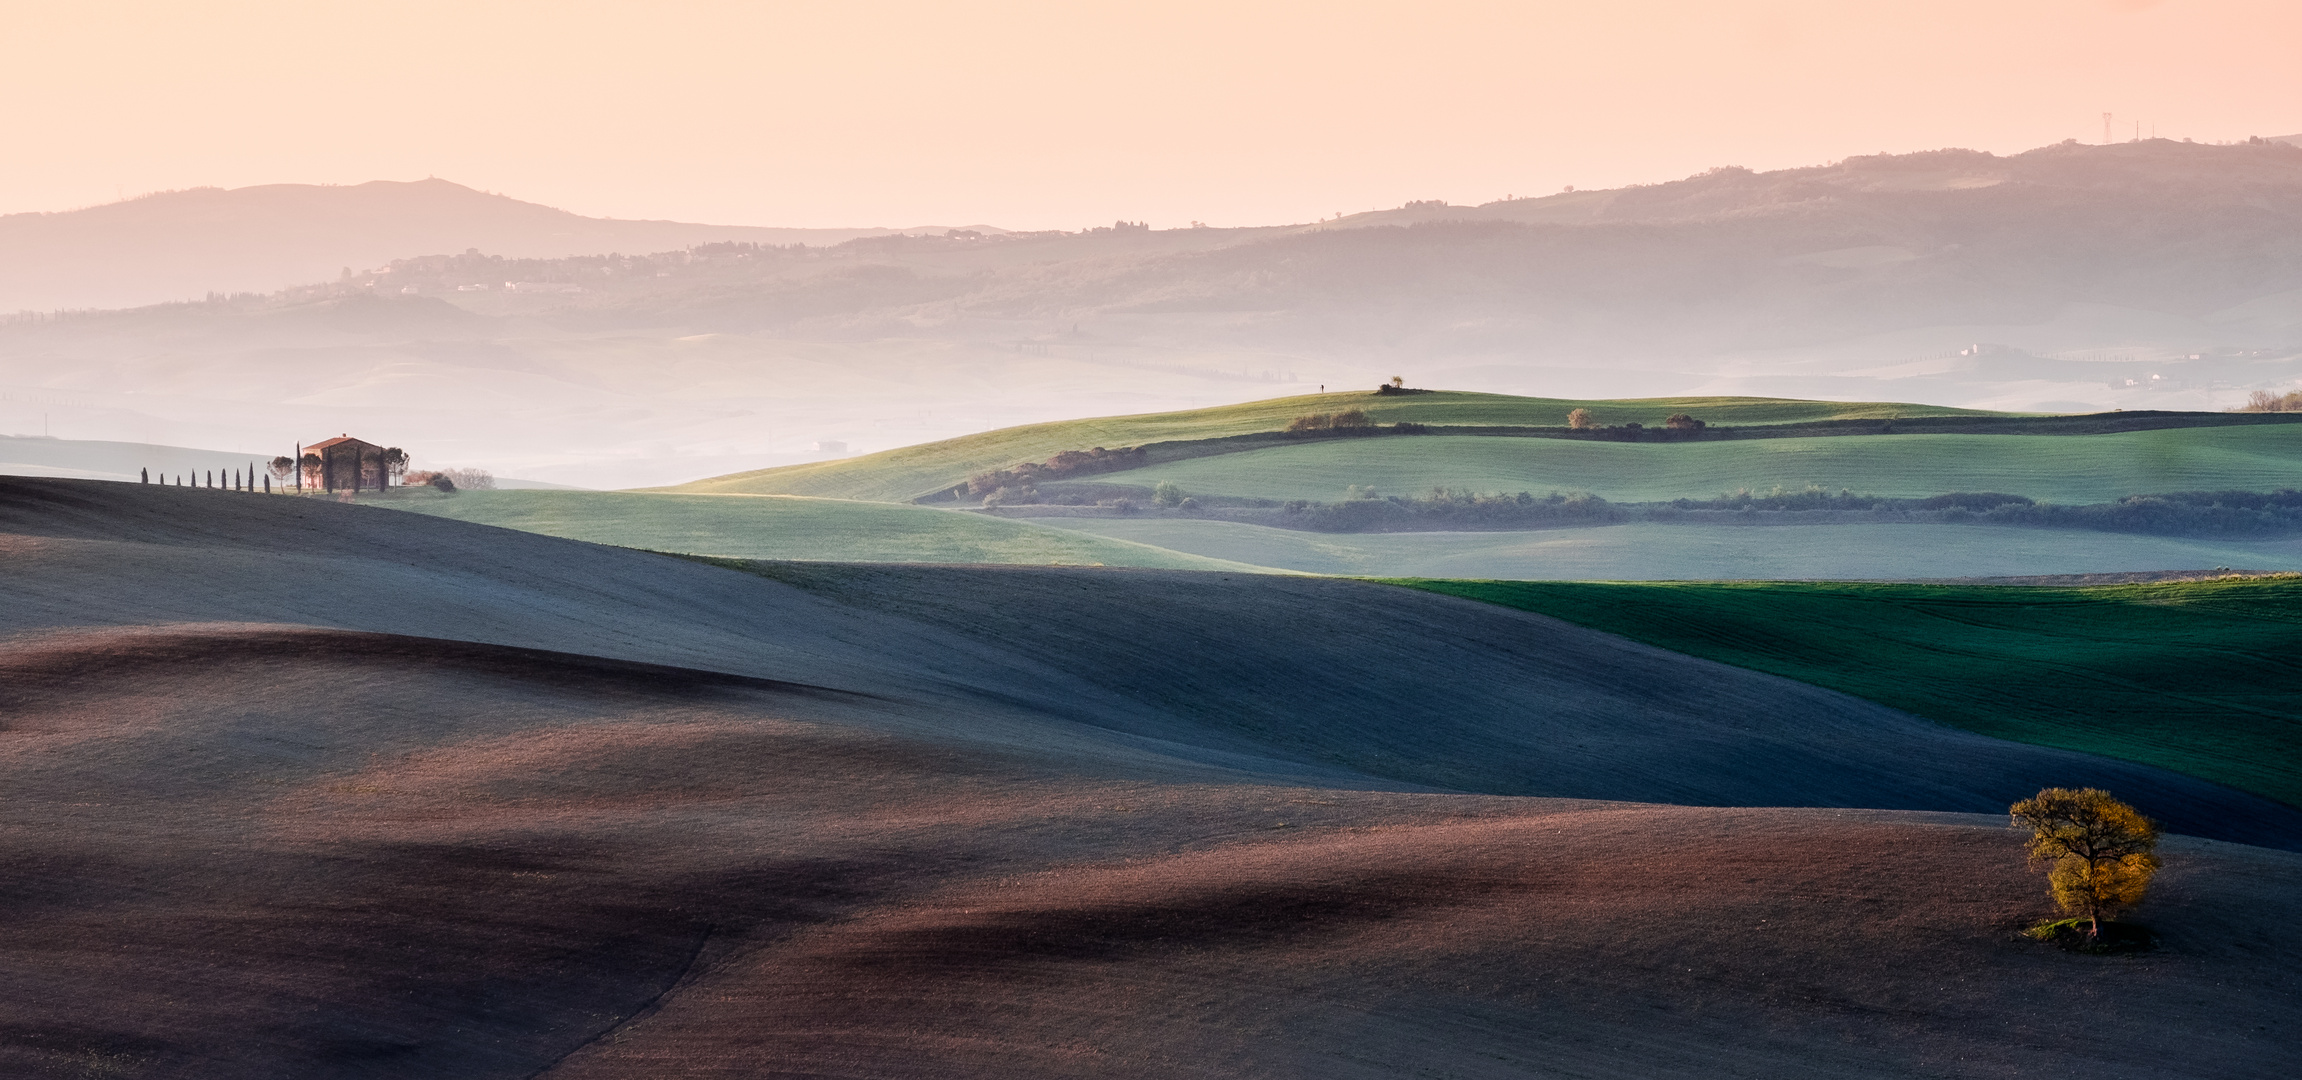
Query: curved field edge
(910, 472)
(1650, 551)
(2067, 469)
(2198, 677)
(791, 528)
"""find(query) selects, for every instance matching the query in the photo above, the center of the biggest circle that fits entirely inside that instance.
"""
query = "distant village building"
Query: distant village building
(347, 464)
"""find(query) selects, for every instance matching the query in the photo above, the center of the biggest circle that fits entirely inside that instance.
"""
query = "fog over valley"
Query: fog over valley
(480, 330)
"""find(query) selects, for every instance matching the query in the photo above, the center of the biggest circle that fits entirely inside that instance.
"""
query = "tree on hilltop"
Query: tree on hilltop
(2099, 853)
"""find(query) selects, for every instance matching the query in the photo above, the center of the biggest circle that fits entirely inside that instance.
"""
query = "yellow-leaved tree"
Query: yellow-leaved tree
(2098, 853)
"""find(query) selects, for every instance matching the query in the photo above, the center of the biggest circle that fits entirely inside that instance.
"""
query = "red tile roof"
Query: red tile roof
(338, 441)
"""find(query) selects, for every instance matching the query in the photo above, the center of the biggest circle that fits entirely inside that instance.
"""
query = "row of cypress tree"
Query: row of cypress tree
(235, 480)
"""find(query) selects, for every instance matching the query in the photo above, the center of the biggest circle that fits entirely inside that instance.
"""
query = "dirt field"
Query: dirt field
(297, 789)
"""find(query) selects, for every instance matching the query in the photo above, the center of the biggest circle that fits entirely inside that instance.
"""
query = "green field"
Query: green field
(755, 527)
(909, 472)
(2068, 469)
(1654, 551)
(2197, 677)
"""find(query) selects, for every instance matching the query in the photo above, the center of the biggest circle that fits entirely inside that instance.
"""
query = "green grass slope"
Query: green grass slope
(906, 473)
(2198, 677)
(2063, 469)
(752, 527)
(1648, 551)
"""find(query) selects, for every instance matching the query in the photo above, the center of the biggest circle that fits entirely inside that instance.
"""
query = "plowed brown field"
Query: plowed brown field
(292, 789)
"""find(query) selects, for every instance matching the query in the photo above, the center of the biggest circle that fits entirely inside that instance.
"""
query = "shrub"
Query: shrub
(1167, 494)
(1683, 422)
(1579, 419)
(1352, 419)
(1312, 422)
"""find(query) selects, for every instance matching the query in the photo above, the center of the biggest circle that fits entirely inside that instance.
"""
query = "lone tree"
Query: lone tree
(1683, 422)
(1167, 494)
(2098, 852)
(1579, 419)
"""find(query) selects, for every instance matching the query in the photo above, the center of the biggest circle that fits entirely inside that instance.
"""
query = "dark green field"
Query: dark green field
(2199, 677)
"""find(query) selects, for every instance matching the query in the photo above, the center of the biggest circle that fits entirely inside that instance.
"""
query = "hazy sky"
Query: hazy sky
(1061, 114)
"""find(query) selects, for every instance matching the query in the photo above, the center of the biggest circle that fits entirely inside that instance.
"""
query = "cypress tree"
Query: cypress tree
(144, 476)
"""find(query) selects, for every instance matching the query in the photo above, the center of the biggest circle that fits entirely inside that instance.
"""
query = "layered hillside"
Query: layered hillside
(2153, 275)
(183, 245)
(299, 788)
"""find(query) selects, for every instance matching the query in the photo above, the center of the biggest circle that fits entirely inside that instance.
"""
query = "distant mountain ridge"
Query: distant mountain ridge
(2160, 166)
(180, 245)
(2199, 245)
(2072, 278)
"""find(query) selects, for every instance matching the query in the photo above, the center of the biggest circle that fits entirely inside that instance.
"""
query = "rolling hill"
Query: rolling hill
(301, 788)
(2069, 470)
(789, 527)
(853, 508)
(2189, 675)
(1648, 551)
(914, 472)
(180, 245)
(2153, 275)
(99, 460)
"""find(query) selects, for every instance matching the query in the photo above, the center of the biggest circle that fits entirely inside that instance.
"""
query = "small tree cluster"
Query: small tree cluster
(1066, 464)
(2098, 853)
(471, 479)
(1167, 494)
(1580, 419)
(1348, 420)
(1683, 422)
(2265, 401)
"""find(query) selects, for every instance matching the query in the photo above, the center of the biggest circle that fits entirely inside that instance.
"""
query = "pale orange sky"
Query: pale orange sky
(1036, 114)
